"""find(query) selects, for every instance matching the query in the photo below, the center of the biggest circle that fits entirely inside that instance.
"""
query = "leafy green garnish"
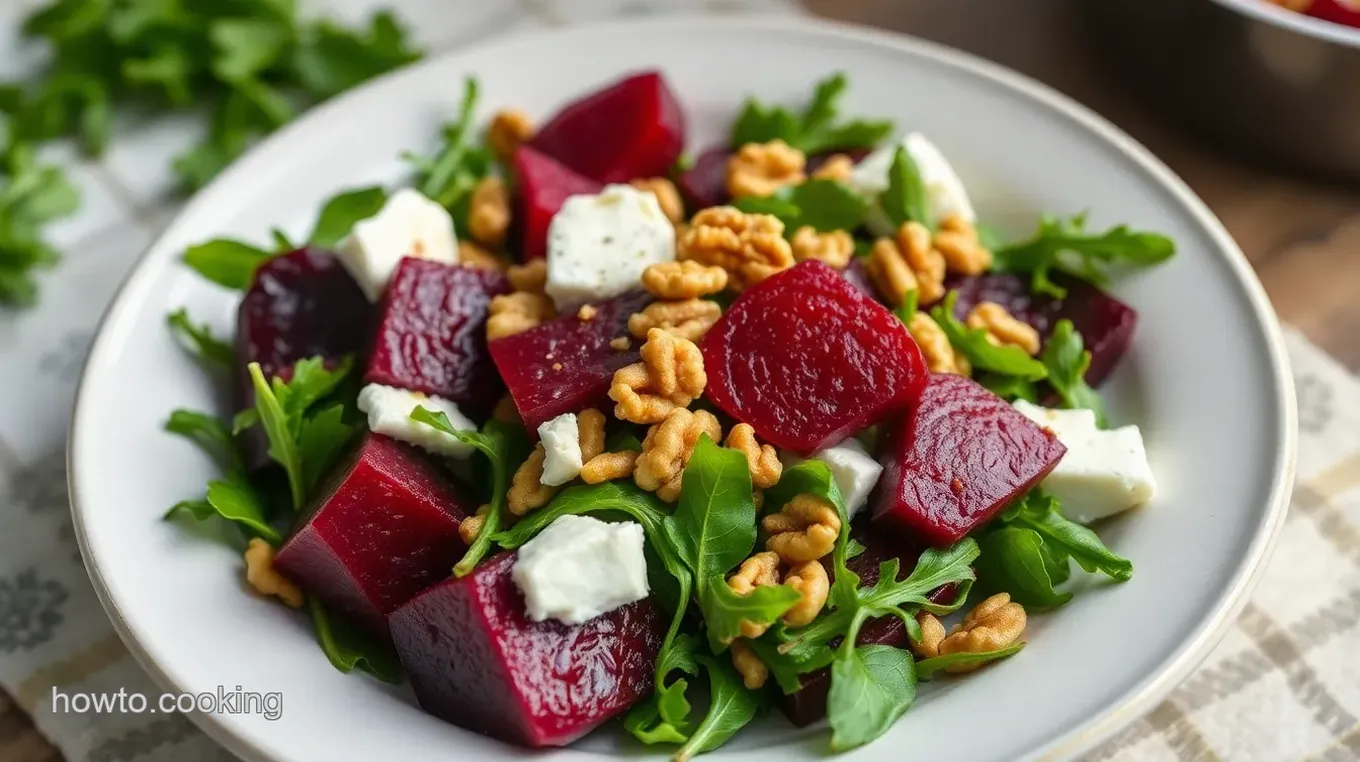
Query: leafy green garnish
(981, 353)
(227, 263)
(824, 205)
(621, 497)
(31, 195)
(907, 310)
(714, 525)
(200, 340)
(663, 716)
(1066, 246)
(871, 687)
(1014, 560)
(1009, 388)
(449, 174)
(730, 708)
(340, 213)
(1065, 538)
(815, 129)
(926, 668)
(346, 648)
(232, 497)
(505, 447)
(1067, 361)
(905, 198)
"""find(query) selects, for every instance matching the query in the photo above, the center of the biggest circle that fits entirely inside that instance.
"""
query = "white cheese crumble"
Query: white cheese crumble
(389, 413)
(945, 193)
(598, 245)
(409, 225)
(561, 438)
(580, 567)
(1104, 471)
(853, 469)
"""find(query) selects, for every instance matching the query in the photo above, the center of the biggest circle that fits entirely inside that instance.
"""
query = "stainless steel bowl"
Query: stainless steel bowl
(1282, 86)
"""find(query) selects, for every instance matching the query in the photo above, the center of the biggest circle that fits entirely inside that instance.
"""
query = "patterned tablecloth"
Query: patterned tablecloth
(1284, 685)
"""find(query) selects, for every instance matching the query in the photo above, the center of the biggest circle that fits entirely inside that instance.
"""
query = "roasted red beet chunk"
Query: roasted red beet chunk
(384, 527)
(476, 660)
(807, 360)
(543, 185)
(432, 337)
(567, 364)
(956, 459)
(633, 128)
(1105, 323)
(705, 183)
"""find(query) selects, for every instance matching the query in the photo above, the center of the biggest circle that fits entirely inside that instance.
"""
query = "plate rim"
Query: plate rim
(1084, 737)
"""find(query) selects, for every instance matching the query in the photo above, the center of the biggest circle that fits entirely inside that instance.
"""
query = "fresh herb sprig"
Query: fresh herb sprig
(824, 205)
(813, 130)
(32, 195)
(458, 163)
(1064, 245)
(981, 353)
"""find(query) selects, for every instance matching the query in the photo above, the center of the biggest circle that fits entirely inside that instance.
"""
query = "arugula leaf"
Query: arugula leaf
(331, 59)
(905, 198)
(983, 354)
(321, 437)
(1013, 561)
(340, 213)
(812, 131)
(907, 310)
(623, 497)
(854, 548)
(663, 717)
(1042, 514)
(714, 525)
(926, 668)
(244, 48)
(346, 648)
(934, 569)
(824, 205)
(449, 175)
(31, 195)
(871, 687)
(1009, 388)
(505, 446)
(206, 431)
(775, 205)
(1066, 246)
(200, 340)
(225, 262)
(1067, 361)
(731, 707)
(724, 610)
(233, 497)
(304, 445)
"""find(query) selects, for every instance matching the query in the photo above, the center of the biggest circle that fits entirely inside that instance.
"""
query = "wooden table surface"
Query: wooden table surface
(1302, 236)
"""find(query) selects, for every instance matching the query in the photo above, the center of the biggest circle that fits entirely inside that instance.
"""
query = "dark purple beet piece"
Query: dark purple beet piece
(857, 275)
(301, 304)
(567, 364)
(542, 185)
(705, 184)
(383, 528)
(807, 360)
(476, 660)
(432, 336)
(956, 458)
(1105, 323)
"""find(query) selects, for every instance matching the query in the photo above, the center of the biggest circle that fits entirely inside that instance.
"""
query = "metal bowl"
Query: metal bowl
(1277, 84)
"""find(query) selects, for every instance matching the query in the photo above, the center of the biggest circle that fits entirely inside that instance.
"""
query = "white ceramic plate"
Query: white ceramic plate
(1206, 379)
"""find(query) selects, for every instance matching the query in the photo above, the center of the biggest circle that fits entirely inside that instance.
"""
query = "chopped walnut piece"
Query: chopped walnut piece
(753, 671)
(266, 580)
(1003, 329)
(516, 313)
(689, 319)
(834, 248)
(750, 247)
(761, 569)
(471, 526)
(509, 129)
(760, 169)
(668, 447)
(530, 277)
(837, 167)
(590, 425)
(939, 353)
(527, 492)
(803, 530)
(932, 634)
(621, 343)
(474, 256)
(993, 624)
(666, 195)
(957, 241)
(813, 585)
(670, 376)
(489, 211)
(608, 466)
(586, 313)
(907, 262)
(683, 280)
(763, 460)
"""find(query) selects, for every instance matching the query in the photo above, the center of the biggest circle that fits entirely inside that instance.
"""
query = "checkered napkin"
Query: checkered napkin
(1284, 685)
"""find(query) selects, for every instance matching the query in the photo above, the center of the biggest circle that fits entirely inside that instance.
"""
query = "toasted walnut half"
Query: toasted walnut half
(753, 671)
(666, 196)
(993, 624)
(470, 527)
(608, 466)
(957, 241)
(837, 167)
(761, 459)
(932, 634)
(813, 585)
(834, 248)
(489, 211)
(590, 424)
(668, 448)
(1003, 329)
(474, 256)
(670, 376)
(683, 280)
(515, 313)
(510, 129)
(803, 530)
(761, 569)
(266, 580)
(760, 169)
(689, 319)
(527, 492)
(530, 277)
(939, 353)
(750, 247)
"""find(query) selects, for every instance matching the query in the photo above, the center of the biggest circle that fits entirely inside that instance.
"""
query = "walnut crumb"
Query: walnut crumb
(620, 344)
(587, 312)
(557, 366)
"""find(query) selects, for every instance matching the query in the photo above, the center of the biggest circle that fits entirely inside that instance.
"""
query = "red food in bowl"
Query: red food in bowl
(543, 185)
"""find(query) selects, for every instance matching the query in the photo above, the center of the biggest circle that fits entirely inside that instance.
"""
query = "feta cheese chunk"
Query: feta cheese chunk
(580, 567)
(945, 194)
(389, 413)
(598, 245)
(1103, 472)
(561, 438)
(409, 225)
(853, 469)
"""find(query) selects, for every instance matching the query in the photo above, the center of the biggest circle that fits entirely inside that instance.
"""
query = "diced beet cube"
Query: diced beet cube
(632, 128)
(383, 527)
(543, 185)
(567, 364)
(807, 360)
(475, 659)
(432, 336)
(956, 459)
(301, 304)
(1105, 323)
(705, 184)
